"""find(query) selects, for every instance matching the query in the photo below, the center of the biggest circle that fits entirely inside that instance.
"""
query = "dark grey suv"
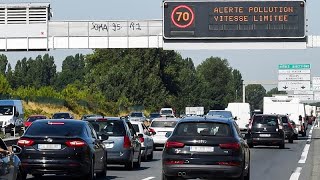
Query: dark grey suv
(266, 129)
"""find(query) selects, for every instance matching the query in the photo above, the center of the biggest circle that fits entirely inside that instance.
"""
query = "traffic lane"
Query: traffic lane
(266, 163)
(148, 170)
(270, 162)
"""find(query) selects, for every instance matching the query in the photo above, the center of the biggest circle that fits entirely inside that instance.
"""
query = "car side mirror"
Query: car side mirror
(16, 149)
(235, 118)
(168, 134)
(16, 114)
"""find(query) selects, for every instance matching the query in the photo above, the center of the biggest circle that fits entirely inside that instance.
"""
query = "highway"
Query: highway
(267, 163)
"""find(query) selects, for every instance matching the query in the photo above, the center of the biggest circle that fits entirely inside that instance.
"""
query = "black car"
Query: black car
(62, 147)
(266, 129)
(288, 128)
(123, 145)
(62, 115)
(10, 162)
(206, 147)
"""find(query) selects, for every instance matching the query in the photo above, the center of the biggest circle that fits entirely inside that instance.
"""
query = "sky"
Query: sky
(255, 65)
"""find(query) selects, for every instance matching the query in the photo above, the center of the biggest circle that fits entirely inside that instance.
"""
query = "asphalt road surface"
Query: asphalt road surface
(267, 163)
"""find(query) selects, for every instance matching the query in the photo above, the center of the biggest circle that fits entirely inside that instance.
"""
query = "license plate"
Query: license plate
(49, 146)
(265, 135)
(201, 149)
(109, 145)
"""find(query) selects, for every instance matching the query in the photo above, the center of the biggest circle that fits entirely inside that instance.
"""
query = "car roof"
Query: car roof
(102, 118)
(268, 115)
(37, 115)
(207, 119)
(62, 113)
(69, 121)
(166, 119)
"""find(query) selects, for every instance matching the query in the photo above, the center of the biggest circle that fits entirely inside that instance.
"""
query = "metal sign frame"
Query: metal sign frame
(272, 39)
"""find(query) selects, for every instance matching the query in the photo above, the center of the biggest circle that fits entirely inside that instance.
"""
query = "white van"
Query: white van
(11, 114)
(240, 111)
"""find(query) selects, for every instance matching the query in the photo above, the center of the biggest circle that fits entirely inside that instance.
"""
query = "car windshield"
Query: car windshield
(203, 129)
(61, 116)
(136, 114)
(112, 128)
(265, 120)
(33, 118)
(170, 124)
(6, 110)
(63, 129)
(225, 114)
(166, 112)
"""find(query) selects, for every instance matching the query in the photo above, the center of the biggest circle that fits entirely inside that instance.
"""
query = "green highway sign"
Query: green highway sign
(294, 66)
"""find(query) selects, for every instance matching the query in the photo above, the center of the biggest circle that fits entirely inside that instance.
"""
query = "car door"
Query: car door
(8, 170)
(135, 141)
(98, 148)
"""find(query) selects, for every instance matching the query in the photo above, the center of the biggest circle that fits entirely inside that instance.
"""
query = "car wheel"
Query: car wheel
(129, 165)
(90, 175)
(282, 146)
(250, 145)
(138, 163)
(291, 140)
(103, 173)
(21, 175)
(145, 156)
(150, 157)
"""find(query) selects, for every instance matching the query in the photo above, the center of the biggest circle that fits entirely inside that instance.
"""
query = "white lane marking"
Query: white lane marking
(304, 154)
(148, 178)
(296, 174)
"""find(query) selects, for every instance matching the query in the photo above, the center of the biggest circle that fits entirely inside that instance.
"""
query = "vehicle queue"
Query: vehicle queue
(193, 147)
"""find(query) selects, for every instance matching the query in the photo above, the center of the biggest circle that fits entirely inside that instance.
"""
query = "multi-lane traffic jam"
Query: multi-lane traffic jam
(214, 145)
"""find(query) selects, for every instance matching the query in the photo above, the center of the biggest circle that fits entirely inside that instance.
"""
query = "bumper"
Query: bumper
(265, 141)
(203, 171)
(119, 157)
(73, 168)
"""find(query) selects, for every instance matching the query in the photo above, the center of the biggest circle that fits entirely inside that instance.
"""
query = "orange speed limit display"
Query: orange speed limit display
(182, 16)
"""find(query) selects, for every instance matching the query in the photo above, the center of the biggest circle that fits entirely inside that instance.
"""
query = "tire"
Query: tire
(90, 175)
(137, 164)
(21, 175)
(291, 140)
(247, 177)
(129, 165)
(250, 145)
(103, 173)
(145, 156)
(150, 157)
(282, 146)
(295, 136)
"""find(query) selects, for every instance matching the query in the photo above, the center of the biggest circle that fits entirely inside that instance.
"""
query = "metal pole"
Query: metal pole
(243, 93)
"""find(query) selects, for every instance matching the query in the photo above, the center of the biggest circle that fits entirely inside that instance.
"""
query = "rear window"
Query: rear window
(112, 128)
(45, 129)
(225, 114)
(136, 127)
(61, 116)
(170, 124)
(166, 112)
(137, 114)
(203, 129)
(265, 120)
(284, 120)
(31, 119)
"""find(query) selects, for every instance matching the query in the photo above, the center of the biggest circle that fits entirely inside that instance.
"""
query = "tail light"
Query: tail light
(171, 162)
(141, 139)
(233, 146)
(173, 144)
(75, 143)
(126, 142)
(25, 142)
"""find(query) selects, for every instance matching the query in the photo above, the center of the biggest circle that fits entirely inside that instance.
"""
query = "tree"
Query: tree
(5, 88)
(274, 91)
(254, 95)
(3, 64)
(215, 89)
(10, 76)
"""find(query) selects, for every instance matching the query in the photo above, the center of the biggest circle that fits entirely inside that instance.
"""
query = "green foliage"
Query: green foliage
(4, 85)
(3, 64)
(254, 95)
(274, 91)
